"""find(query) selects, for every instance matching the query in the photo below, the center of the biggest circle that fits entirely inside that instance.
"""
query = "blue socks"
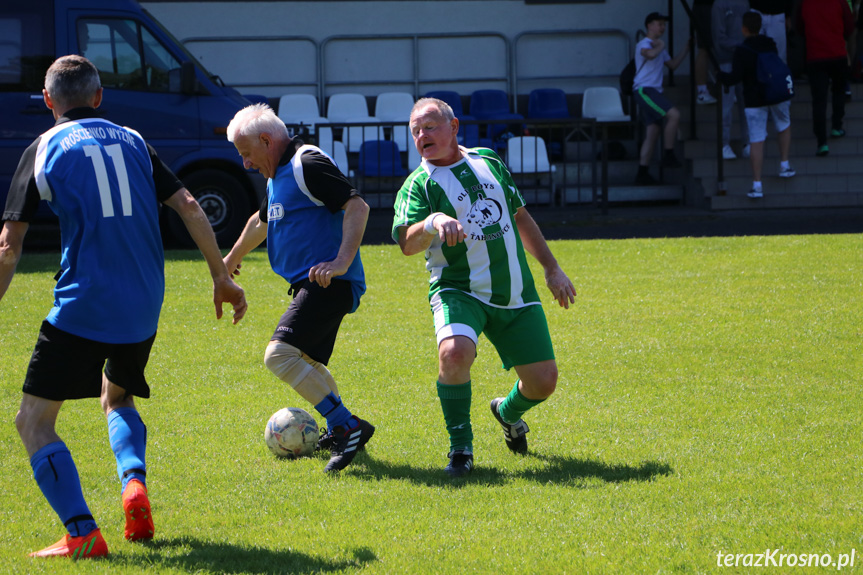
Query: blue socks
(335, 412)
(128, 436)
(57, 477)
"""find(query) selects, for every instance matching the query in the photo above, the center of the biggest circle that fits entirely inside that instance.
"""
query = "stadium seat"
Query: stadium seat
(334, 148)
(492, 105)
(528, 155)
(380, 158)
(547, 103)
(603, 103)
(414, 158)
(451, 98)
(468, 134)
(396, 107)
(300, 109)
(349, 105)
(354, 136)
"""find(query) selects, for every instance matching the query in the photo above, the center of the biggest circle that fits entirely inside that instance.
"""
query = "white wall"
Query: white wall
(273, 67)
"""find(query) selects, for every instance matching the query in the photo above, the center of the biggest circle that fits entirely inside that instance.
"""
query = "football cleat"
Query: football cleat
(136, 505)
(460, 463)
(346, 443)
(325, 440)
(514, 433)
(86, 547)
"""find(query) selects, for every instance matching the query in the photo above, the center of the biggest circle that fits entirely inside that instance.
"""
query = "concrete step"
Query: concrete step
(707, 129)
(801, 185)
(803, 165)
(774, 199)
(801, 147)
(627, 193)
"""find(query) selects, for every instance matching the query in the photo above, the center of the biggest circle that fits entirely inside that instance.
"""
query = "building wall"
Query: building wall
(325, 47)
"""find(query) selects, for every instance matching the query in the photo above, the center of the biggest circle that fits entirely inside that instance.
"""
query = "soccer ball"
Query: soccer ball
(291, 432)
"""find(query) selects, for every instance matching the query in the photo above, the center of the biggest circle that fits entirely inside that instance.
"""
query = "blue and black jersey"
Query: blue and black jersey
(105, 184)
(304, 215)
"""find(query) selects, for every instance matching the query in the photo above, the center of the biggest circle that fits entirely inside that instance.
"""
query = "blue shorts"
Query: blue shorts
(652, 105)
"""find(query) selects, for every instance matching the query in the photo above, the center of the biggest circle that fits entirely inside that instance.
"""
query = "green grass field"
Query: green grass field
(709, 402)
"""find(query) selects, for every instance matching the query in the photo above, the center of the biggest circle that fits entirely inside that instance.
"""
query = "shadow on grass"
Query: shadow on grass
(557, 469)
(193, 555)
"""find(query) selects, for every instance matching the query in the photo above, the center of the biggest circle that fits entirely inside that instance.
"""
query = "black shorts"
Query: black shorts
(65, 366)
(312, 320)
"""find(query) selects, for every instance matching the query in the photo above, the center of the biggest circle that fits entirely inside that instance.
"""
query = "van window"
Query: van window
(127, 55)
(26, 49)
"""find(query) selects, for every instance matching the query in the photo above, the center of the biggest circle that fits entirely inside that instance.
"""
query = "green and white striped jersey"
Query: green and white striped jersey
(479, 191)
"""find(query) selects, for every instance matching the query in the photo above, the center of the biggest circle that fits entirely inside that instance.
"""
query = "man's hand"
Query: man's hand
(449, 230)
(232, 266)
(560, 287)
(227, 291)
(324, 272)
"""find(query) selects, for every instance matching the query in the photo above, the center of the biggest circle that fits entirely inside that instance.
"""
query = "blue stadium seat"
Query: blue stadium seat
(380, 158)
(547, 103)
(492, 105)
(468, 134)
(451, 98)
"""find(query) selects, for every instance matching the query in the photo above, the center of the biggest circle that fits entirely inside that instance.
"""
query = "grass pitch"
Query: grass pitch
(709, 404)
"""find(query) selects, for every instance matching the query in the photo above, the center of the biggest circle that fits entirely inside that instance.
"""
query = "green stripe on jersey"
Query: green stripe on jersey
(480, 193)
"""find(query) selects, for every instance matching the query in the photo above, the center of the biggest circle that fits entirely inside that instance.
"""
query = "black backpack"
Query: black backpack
(627, 78)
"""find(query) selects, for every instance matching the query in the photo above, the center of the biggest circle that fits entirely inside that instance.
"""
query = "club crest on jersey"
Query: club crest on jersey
(276, 212)
(484, 212)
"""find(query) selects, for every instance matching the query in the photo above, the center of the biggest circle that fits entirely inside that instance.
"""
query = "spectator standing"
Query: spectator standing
(744, 68)
(701, 10)
(651, 58)
(775, 21)
(727, 23)
(826, 24)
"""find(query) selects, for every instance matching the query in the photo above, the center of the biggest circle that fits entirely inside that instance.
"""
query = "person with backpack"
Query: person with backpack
(651, 58)
(751, 61)
(826, 24)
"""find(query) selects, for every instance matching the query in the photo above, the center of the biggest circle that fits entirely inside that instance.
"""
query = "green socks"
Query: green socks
(455, 403)
(515, 405)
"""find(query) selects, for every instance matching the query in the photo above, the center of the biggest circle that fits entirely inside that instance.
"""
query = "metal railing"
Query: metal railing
(417, 78)
(573, 169)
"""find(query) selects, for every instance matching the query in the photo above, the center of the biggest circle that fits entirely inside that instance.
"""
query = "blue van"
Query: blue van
(151, 84)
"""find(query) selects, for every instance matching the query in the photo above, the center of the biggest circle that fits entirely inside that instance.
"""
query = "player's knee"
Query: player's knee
(455, 357)
(542, 382)
(286, 362)
(673, 114)
(21, 422)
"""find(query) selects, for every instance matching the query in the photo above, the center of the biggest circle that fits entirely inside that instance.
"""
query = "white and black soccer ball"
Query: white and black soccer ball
(291, 432)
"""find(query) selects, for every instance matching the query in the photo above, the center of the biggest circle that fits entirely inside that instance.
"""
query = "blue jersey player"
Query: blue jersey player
(105, 183)
(313, 221)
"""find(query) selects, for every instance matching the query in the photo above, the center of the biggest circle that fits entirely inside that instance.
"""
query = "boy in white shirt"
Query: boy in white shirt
(651, 57)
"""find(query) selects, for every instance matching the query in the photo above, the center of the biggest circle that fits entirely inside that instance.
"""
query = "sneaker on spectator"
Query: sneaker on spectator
(840, 133)
(787, 172)
(755, 194)
(728, 153)
(747, 150)
(705, 98)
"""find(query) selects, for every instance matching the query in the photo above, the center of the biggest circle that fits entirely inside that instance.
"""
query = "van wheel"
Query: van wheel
(223, 199)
